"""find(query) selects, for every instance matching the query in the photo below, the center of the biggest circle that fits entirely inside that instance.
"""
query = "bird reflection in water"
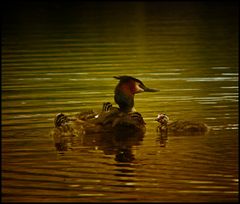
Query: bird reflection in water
(162, 139)
(118, 143)
(124, 155)
(125, 141)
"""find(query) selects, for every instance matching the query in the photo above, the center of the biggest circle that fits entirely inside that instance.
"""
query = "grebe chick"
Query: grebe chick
(180, 127)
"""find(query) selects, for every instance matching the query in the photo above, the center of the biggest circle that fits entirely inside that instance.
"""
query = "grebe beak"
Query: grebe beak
(146, 89)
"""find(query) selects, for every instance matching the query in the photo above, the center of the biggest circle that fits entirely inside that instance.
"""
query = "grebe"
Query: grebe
(180, 127)
(110, 118)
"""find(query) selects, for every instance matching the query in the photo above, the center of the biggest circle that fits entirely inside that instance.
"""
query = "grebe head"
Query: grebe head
(162, 118)
(125, 90)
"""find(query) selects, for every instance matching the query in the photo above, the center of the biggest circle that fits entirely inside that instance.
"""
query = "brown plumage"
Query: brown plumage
(180, 127)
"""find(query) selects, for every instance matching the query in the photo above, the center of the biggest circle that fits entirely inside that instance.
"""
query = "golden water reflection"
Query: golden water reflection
(61, 57)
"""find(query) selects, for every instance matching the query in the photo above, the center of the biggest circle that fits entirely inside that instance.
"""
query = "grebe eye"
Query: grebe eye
(139, 87)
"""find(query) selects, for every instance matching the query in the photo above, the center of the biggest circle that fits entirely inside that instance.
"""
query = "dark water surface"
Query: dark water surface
(62, 58)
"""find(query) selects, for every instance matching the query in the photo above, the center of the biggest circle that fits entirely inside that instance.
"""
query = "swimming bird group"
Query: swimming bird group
(110, 119)
(122, 118)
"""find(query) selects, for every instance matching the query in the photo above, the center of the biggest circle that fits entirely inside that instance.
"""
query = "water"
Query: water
(62, 58)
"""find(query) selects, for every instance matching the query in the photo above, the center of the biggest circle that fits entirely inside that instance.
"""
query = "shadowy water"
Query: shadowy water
(61, 57)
